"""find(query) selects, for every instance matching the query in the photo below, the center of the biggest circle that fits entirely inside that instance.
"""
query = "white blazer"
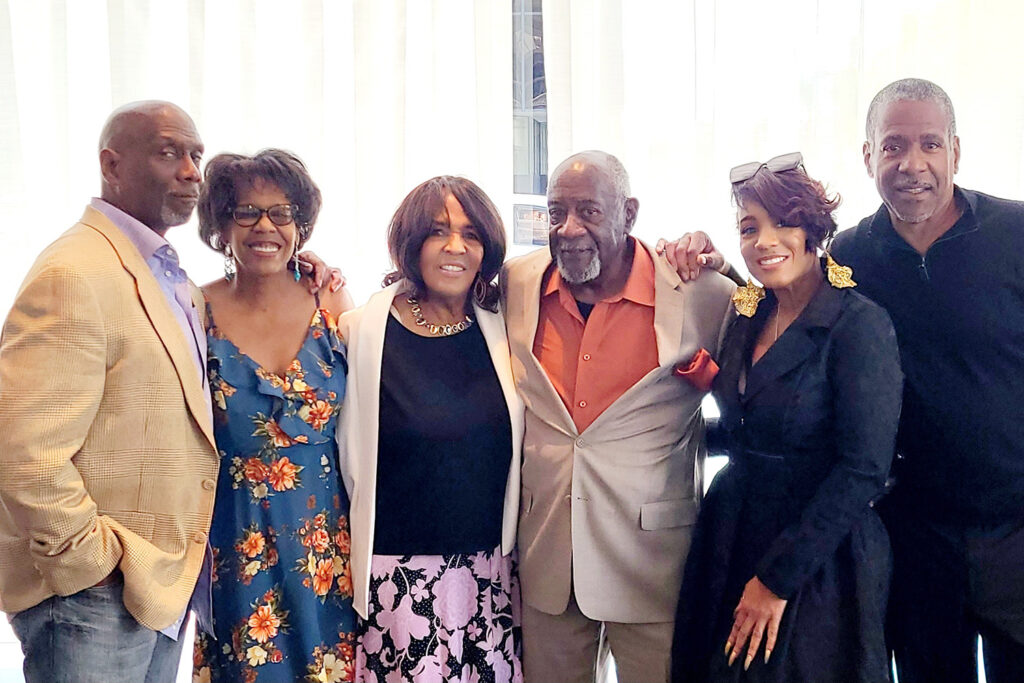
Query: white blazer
(363, 331)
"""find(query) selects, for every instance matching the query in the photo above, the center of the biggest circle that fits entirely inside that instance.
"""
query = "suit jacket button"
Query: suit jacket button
(200, 537)
(209, 484)
(581, 443)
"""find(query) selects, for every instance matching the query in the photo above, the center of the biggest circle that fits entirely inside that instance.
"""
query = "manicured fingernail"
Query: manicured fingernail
(732, 657)
(746, 664)
(703, 260)
(767, 655)
(728, 646)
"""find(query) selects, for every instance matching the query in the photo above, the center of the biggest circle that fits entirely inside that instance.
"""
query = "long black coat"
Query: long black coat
(810, 443)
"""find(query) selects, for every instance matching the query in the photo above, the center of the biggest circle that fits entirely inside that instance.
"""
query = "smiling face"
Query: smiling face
(912, 156)
(451, 255)
(265, 248)
(775, 255)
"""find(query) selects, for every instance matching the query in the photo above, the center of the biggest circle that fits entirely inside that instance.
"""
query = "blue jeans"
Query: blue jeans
(90, 637)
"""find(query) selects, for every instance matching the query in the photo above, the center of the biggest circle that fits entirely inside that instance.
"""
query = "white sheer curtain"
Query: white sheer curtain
(375, 95)
(682, 91)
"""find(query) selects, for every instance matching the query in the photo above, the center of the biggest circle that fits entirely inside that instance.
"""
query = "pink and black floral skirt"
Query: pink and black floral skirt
(441, 618)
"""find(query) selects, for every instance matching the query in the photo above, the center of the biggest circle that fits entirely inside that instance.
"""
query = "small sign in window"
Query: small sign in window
(531, 224)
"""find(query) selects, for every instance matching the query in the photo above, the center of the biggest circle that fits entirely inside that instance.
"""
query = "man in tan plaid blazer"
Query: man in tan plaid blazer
(107, 461)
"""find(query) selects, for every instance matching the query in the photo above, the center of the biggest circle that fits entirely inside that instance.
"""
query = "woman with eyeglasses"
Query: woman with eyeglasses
(787, 578)
(430, 439)
(282, 590)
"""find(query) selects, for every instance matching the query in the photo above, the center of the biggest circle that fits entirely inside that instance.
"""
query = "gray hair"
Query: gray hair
(609, 162)
(914, 89)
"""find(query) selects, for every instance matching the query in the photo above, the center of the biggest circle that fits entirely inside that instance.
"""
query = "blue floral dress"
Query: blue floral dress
(282, 589)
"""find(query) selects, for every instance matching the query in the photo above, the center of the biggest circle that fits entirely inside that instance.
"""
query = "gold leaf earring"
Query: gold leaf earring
(839, 276)
(746, 299)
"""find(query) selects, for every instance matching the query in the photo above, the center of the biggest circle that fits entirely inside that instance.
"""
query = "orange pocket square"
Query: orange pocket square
(700, 371)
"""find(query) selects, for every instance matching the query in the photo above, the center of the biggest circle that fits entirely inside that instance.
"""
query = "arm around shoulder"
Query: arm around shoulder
(338, 302)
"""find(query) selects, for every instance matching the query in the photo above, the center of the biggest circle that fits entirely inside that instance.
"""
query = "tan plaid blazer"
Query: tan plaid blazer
(107, 456)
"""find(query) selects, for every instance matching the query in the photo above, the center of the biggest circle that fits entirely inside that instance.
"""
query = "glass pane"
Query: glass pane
(529, 100)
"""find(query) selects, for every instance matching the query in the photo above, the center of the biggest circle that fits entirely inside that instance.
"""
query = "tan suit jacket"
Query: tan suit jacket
(363, 332)
(607, 514)
(107, 455)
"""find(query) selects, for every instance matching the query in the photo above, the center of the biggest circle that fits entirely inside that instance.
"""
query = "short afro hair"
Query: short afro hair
(227, 174)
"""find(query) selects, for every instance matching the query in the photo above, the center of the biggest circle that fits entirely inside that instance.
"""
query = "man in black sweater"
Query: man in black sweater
(948, 265)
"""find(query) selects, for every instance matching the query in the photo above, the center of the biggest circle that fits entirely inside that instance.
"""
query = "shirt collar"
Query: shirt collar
(881, 225)
(639, 287)
(147, 241)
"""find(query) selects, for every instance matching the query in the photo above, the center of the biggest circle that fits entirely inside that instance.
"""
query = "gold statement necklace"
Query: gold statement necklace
(437, 330)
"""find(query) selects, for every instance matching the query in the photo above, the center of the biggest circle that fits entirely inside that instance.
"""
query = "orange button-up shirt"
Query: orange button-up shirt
(592, 363)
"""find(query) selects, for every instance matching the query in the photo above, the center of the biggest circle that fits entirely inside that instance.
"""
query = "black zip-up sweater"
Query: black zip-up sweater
(959, 318)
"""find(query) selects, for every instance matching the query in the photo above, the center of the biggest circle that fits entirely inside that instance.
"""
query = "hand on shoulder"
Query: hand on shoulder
(337, 302)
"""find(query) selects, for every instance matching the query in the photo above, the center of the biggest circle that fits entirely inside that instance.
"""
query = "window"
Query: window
(529, 100)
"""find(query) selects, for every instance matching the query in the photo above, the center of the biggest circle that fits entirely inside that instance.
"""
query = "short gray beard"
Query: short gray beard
(917, 218)
(579, 277)
(170, 217)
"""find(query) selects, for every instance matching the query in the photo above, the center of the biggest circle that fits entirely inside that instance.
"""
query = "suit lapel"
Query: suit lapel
(523, 315)
(160, 316)
(669, 309)
(497, 347)
(372, 329)
(792, 348)
(532, 277)
(797, 342)
(732, 359)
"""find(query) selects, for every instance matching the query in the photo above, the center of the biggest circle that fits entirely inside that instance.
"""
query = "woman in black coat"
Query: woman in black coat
(788, 575)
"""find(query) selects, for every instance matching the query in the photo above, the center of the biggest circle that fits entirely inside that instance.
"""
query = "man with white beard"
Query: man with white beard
(610, 351)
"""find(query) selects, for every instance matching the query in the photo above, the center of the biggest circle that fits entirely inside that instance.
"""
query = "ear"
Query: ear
(109, 160)
(956, 153)
(866, 151)
(632, 208)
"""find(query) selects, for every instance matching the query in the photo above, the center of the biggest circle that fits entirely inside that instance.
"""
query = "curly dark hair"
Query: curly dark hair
(414, 218)
(227, 174)
(792, 198)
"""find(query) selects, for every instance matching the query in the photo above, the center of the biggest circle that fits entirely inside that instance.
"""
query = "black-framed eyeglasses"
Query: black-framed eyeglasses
(783, 162)
(247, 215)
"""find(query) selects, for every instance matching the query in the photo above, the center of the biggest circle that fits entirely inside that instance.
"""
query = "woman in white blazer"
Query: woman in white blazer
(430, 447)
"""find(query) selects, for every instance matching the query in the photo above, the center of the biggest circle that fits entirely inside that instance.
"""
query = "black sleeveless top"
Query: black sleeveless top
(444, 446)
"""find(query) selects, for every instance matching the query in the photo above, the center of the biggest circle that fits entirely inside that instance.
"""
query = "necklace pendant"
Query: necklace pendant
(445, 330)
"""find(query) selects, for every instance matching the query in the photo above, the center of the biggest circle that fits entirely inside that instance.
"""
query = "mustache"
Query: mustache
(911, 185)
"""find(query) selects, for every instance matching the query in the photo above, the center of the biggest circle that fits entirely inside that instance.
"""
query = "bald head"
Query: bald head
(127, 124)
(149, 157)
(608, 164)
